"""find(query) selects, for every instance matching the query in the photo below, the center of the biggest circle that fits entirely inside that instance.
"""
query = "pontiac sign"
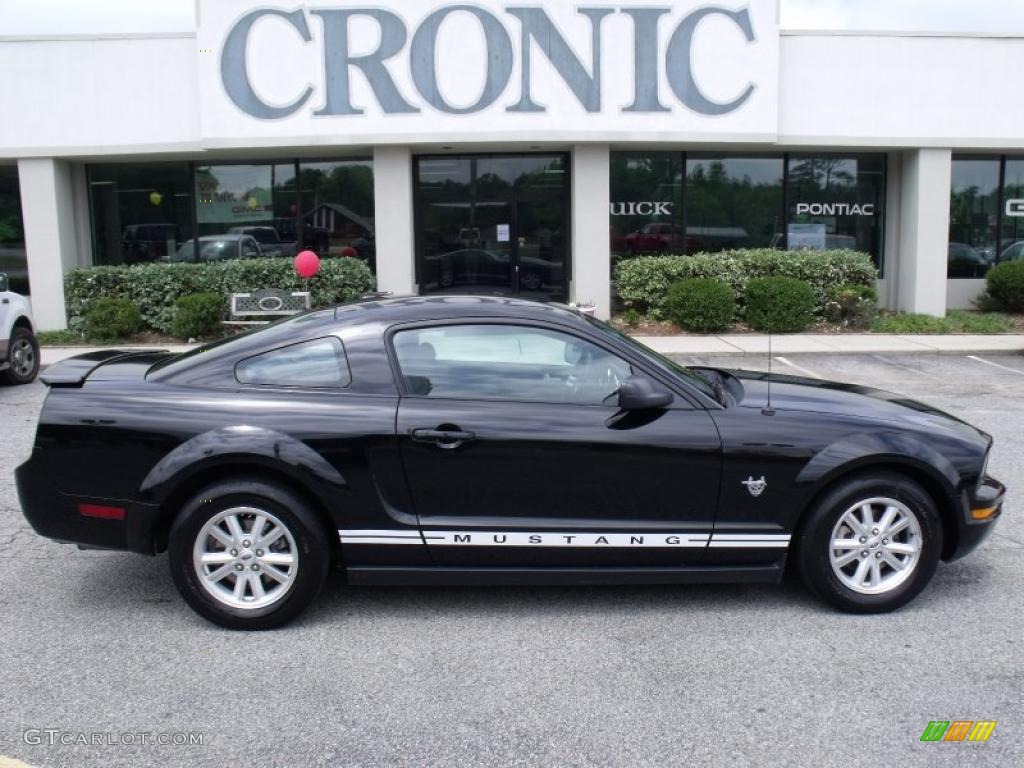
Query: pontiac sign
(692, 70)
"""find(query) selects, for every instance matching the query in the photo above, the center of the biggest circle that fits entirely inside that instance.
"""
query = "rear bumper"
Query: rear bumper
(59, 516)
(981, 508)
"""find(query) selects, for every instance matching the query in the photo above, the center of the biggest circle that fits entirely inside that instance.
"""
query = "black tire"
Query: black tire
(299, 520)
(813, 543)
(22, 357)
(531, 281)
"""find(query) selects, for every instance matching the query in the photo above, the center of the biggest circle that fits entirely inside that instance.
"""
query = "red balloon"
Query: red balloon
(307, 264)
(348, 252)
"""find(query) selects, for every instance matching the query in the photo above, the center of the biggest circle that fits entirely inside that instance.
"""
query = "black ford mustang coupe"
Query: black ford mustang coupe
(489, 440)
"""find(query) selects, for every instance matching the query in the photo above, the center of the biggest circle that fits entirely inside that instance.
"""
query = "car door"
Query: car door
(516, 454)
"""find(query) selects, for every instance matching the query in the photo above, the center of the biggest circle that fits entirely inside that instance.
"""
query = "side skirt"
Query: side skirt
(389, 575)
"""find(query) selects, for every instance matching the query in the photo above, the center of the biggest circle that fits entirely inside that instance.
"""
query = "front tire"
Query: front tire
(22, 357)
(871, 543)
(247, 554)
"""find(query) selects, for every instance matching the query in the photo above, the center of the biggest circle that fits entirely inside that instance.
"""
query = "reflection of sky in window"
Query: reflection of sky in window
(983, 174)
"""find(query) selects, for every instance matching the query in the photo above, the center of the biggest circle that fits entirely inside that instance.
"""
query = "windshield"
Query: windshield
(695, 380)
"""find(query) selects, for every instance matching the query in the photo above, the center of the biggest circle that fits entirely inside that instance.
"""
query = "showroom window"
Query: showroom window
(154, 211)
(796, 201)
(973, 216)
(733, 202)
(140, 211)
(836, 202)
(646, 203)
(1011, 241)
(12, 235)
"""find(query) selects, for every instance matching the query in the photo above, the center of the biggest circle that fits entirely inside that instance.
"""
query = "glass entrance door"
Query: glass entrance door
(492, 224)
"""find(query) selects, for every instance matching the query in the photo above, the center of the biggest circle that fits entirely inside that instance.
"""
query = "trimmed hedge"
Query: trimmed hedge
(198, 315)
(779, 304)
(154, 287)
(1006, 285)
(643, 281)
(701, 305)
(111, 318)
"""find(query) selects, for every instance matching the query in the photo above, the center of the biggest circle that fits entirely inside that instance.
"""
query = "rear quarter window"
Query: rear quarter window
(317, 363)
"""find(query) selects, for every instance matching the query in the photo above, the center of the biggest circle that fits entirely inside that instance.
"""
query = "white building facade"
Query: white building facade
(513, 149)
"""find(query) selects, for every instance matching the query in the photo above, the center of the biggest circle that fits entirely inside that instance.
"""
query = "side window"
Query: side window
(507, 362)
(317, 363)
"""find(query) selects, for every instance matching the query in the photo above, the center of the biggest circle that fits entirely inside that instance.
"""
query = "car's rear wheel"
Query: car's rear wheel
(871, 544)
(22, 357)
(248, 554)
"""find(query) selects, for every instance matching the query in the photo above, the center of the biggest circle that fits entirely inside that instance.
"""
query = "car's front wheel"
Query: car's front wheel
(871, 544)
(22, 357)
(247, 554)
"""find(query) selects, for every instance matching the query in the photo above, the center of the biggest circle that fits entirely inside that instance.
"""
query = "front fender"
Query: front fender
(231, 445)
(889, 446)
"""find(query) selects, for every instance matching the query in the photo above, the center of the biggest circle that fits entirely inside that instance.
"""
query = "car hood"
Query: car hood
(795, 393)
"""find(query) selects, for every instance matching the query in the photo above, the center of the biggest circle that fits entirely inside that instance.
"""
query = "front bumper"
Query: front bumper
(980, 509)
(59, 515)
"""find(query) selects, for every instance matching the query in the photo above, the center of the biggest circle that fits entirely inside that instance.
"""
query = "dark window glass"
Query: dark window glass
(337, 208)
(317, 363)
(645, 215)
(12, 234)
(140, 211)
(493, 224)
(973, 216)
(258, 201)
(1011, 246)
(836, 202)
(733, 202)
(506, 362)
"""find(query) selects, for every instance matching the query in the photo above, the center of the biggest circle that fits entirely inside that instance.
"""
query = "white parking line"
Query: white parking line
(996, 365)
(800, 368)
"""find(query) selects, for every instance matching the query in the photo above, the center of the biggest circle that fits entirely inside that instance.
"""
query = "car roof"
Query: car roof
(402, 309)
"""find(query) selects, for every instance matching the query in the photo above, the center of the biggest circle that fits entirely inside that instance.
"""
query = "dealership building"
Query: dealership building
(510, 149)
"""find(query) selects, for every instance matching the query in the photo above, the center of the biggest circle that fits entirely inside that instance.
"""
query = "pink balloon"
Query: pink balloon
(307, 264)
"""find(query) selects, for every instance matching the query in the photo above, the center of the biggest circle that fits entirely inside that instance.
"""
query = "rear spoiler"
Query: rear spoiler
(72, 371)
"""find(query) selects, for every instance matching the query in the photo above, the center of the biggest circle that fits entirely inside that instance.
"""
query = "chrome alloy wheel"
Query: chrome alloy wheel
(23, 358)
(875, 546)
(245, 558)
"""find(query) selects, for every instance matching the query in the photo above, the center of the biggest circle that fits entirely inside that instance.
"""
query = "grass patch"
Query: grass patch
(57, 338)
(957, 321)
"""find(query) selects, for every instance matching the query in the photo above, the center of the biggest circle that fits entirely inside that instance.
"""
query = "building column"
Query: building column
(393, 220)
(591, 250)
(48, 212)
(920, 268)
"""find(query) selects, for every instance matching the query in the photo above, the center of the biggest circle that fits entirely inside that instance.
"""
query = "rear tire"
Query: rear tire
(22, 357)
(247, 554)
(871, 543)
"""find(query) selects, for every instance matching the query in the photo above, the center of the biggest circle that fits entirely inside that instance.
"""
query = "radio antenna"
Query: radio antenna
(768, 410)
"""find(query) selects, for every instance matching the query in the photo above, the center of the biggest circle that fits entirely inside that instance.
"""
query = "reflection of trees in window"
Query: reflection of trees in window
(728, 209)
(348, 183)
(645, 177)
(823, 172)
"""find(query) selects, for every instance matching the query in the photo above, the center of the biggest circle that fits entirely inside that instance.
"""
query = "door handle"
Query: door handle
(442, 438)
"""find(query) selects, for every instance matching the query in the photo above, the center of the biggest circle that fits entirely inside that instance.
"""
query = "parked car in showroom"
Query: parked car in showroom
(487, 440)
(19, 350)
(219, 247)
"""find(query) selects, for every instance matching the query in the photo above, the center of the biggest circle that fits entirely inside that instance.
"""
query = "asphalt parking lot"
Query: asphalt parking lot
(99, 642)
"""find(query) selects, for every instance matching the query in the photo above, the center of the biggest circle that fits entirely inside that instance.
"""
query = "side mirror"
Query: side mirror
(4, 282)
(639, 393)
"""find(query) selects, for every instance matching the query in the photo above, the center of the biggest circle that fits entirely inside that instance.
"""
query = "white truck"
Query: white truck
(19, 350)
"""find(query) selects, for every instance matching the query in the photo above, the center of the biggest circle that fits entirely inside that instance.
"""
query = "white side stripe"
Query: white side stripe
(566, 539)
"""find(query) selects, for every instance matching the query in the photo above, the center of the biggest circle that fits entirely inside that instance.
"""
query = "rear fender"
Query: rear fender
(235, 445)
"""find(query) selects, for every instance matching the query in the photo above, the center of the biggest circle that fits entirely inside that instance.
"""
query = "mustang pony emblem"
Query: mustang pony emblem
(756, 487)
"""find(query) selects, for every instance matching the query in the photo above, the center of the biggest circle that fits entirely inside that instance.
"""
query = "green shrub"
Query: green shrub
(699, 304)
(852, 305)
(197, 315)
(109, 318)
(154, 287)
(643, 281)
(779, 304)
(631, 317)
(1006, 285)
